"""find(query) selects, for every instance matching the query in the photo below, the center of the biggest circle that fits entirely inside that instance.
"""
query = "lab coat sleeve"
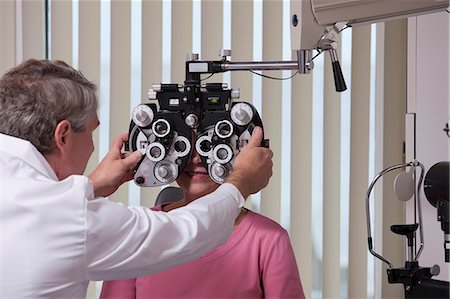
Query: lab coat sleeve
(130, 242)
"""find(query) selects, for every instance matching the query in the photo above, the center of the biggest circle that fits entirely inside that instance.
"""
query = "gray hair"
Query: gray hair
(38, 94)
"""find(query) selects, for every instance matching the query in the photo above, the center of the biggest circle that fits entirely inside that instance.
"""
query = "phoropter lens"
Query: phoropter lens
(224, 129)
(161, 127)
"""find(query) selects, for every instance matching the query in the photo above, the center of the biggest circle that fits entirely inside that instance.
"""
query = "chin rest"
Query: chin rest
(168, 195)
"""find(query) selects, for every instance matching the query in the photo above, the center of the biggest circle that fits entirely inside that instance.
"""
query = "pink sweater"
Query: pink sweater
(257, 261)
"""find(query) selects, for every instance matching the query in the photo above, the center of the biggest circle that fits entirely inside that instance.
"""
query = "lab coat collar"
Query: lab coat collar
(25, 151)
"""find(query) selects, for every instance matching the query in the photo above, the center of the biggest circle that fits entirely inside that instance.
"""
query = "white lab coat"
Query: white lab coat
(55, 236)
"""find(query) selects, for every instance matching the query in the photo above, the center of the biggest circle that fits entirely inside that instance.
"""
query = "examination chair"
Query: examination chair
(168, 195)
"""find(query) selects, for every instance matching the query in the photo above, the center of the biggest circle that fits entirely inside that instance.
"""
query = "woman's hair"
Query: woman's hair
(36, 95)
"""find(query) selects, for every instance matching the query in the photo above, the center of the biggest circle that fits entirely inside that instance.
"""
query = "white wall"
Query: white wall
(428, 99)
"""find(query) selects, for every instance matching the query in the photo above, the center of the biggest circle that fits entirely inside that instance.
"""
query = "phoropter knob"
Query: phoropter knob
(142, 115)
(241, 114)
(166, 171)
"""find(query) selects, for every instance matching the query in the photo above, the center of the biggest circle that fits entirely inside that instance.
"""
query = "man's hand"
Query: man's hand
(253, 166)
(115, 169)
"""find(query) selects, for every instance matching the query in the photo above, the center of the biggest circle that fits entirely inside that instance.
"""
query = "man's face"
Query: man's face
(195, 181)
(80, 148)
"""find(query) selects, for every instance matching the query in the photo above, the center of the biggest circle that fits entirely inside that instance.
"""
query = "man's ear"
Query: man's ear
(62, 133)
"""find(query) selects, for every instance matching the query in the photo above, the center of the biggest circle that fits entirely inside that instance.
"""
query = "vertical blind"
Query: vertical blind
(327, 145)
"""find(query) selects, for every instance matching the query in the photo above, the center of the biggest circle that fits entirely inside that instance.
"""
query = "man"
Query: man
(57, 231)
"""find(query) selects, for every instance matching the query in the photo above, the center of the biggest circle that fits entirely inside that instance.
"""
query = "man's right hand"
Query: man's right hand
(115, 169)
(253, 166)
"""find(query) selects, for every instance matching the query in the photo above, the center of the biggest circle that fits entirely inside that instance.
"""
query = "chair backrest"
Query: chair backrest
(168, 195)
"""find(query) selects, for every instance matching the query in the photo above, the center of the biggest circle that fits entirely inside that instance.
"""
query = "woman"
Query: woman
(257, 260)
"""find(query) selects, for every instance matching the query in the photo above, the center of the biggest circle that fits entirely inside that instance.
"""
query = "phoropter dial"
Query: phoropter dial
(155, 152)
(241, 114)
(219, 172)
(222, 153)
(143, 115)
(182, 146)
(166, 171)
(203, 145)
